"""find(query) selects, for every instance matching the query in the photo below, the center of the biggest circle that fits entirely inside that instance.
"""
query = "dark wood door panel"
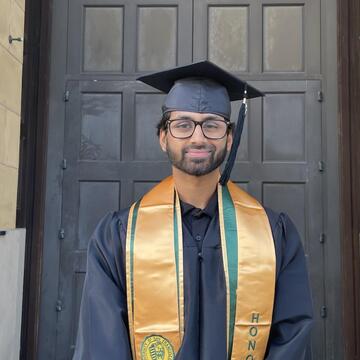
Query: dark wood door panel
(126, 37)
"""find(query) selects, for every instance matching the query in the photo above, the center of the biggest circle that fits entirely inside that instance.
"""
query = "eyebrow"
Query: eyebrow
(210, 117)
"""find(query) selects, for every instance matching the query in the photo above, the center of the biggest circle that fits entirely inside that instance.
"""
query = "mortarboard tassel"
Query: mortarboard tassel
(225, 176)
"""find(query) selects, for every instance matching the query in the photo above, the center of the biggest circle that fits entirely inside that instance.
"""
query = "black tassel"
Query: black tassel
(225, 176)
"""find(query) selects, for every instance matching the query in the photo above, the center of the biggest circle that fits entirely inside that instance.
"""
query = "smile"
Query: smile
(193, 153)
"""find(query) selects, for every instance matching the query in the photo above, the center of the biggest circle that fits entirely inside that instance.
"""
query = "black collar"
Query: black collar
(210, 209)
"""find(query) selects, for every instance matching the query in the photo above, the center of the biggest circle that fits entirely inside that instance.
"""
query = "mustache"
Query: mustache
(207, 147)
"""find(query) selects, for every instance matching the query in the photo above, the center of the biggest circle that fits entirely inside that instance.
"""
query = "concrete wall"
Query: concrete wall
(12, 244)
(12, 250)
(11, 58)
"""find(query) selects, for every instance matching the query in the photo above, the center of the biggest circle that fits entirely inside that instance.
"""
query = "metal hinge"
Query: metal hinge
(322, 238)
(61, 234)
(59, 306)
(321, 166)
(64, 164)
(320, 96)
(66, 95)
(323, 312)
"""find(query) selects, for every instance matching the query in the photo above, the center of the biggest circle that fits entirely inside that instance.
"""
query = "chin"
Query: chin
(198, 172)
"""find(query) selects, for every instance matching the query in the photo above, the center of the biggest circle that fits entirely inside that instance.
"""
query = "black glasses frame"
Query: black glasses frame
(196, 123)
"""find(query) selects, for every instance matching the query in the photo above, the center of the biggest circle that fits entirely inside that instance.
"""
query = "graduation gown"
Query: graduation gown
(103, 324)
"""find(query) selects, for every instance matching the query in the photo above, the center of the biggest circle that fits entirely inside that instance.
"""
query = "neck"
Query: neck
(195, 190)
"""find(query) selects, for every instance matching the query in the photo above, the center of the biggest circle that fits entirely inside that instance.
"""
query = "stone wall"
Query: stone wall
(12, 242)
(11, 59)
(12, 250)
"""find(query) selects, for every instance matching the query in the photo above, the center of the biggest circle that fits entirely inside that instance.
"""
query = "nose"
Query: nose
(198, 134)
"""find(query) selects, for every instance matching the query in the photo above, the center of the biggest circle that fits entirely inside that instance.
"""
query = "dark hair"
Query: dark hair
(161, 125)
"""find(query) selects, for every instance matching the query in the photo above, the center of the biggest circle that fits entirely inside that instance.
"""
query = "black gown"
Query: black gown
(103, 325)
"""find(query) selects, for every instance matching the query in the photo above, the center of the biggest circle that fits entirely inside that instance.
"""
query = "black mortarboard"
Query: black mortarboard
(205, 88)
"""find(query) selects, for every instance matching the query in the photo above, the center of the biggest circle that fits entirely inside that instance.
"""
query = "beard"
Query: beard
(197, 167)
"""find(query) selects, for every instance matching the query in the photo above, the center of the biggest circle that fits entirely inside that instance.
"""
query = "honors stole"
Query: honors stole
(155, 280)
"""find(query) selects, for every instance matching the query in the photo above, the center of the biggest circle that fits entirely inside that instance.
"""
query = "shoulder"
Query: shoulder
(110, 231)
(287, 240)
(277, 220)
(115, 218)
(107, 246)
(281, 224)
(122, 218)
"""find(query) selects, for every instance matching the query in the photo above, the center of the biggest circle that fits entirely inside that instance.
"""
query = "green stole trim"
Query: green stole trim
(232, 257)
(132, 241)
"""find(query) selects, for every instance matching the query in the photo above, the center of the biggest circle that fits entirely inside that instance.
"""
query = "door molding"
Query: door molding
(349, 108)
(32, 169)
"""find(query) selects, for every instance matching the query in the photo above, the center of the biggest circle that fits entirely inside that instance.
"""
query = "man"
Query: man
(197, 269)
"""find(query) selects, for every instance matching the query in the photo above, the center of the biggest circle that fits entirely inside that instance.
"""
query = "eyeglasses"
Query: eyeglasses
(211, 128)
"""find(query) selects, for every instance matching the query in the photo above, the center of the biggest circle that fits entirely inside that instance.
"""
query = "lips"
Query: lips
(194, 153)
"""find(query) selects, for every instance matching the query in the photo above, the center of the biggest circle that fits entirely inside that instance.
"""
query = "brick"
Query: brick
(17, 30)
(8, 195)
(2, 134)
(21, 3)
(5, 6)
(11, 80)
(12, 139)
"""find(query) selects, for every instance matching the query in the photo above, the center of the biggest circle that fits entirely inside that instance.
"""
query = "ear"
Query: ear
(229, 141)
(163, 140)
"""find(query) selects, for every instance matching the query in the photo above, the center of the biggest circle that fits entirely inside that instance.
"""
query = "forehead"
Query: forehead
(194, 115)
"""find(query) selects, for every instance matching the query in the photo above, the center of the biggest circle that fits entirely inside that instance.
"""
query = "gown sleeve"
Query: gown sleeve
(292, 317)
(102, 332)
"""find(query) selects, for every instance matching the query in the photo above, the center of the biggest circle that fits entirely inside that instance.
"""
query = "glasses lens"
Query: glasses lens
(181, 128)
(214, 129)
(184, 128)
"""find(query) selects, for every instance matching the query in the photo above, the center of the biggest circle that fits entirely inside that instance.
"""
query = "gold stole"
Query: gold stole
(154, 273)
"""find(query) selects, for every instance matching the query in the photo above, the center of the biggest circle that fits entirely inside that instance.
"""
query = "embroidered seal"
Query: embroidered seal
(156, 347)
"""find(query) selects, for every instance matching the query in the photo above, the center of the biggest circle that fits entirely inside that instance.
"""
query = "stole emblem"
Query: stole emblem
(156, 347)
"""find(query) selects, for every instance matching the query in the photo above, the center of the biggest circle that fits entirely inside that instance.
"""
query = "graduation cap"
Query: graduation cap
(204, 87)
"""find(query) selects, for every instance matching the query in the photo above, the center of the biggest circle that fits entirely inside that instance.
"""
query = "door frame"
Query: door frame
(42, 99)
(349, 108)
(32, 163)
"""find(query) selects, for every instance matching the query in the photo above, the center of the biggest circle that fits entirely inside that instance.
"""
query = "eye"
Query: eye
(182, 124)
(211, 124)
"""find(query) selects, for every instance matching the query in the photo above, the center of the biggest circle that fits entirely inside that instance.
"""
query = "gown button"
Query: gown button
(200, 256)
